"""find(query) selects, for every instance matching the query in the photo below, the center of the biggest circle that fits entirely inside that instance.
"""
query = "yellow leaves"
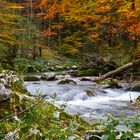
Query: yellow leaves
(5, 38)
(94, 36)
(57, 26)
(14, 7)
(122, 10)
(7, 23)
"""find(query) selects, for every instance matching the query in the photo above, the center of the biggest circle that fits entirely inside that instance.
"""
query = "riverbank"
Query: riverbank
(28, 117)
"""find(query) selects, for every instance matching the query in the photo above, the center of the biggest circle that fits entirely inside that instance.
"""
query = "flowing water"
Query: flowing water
(105, 100)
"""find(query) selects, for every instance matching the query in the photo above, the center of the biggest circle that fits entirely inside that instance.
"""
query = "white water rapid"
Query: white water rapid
(103, 101)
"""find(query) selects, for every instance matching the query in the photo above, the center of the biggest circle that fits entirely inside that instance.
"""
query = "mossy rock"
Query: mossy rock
(31, 78)
(48, 76)
(138, 99)
(67, 81)
(88, 72)
(90, 93)
(136, 87)
(112, 83)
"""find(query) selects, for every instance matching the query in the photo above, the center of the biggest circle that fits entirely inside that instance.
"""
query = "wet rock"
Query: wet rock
(31, 78)
(138, 99)
(67, 81)
(72, 72)
(112, 83)
(90, 92)
(135, 87)
(59, 77)
(4, 93)
(81, 96)
(48, 76)
(85, 79)
(67, 76)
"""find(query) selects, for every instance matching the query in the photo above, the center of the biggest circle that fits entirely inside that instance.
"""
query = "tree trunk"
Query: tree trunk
(118, 70)
(40, 51)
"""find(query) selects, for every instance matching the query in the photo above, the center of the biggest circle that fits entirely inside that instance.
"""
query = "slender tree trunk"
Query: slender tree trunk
(40, 51)
(118, 70)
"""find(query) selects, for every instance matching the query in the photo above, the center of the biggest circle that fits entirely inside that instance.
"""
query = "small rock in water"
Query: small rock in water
(81, 96)
(67, 81)
(72, 72)
(90, 92)
(48, 76)
(67, 76)
(85, 79)
(31, 78)
(58, 77)
(112, 83)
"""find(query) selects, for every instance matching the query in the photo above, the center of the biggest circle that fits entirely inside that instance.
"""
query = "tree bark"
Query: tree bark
(118, 70)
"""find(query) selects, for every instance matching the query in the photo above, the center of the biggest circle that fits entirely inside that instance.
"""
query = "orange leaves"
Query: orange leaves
(48, 33)
(43, 3)
(135, 29)
(103, 9)
(52, 11)
(99, 17)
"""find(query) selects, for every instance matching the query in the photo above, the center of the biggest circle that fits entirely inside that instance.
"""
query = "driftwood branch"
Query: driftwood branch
(118, 70)
(22, 112)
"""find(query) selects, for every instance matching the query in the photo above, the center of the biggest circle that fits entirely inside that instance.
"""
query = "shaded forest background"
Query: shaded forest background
(77, 29)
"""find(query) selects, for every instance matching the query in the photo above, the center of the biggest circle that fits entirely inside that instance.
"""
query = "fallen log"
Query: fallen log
(118, 70)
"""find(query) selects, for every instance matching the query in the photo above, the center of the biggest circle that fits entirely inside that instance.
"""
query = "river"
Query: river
(104, 101)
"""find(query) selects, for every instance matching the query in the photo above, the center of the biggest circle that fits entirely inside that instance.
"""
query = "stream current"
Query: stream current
(105, 100)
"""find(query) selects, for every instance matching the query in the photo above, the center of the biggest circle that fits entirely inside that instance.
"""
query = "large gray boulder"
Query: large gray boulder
(4, 93)
(50, 76)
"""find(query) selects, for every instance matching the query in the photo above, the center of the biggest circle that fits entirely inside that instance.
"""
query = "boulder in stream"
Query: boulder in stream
(72, 72)
(67, 81)
(31, 78)
(90, 93)
(59, 77)
(50, 76)
(112, 83)
(86, 79)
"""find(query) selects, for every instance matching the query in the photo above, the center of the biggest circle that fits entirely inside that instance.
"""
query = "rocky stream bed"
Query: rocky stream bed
(82, 96)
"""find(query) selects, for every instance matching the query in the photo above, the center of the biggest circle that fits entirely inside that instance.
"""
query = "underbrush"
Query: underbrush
(44, 64)
(40, 120)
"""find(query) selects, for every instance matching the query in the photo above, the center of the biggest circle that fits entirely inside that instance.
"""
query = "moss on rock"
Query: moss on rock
(88, 72)
(31, 78)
